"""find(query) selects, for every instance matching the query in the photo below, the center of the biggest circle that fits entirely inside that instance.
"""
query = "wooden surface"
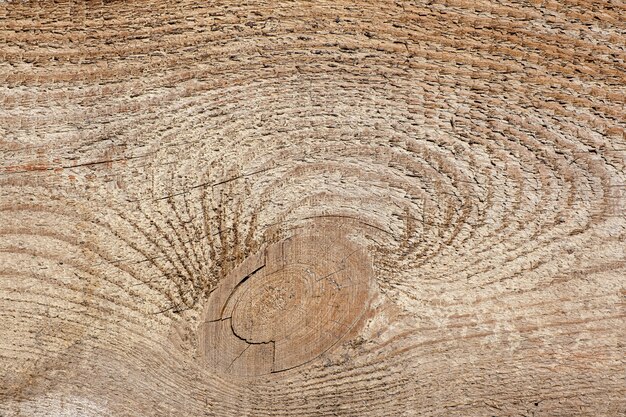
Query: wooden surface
(312, 208)
(293, 302)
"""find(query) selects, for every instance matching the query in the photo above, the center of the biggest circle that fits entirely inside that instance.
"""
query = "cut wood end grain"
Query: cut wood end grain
(305, 296)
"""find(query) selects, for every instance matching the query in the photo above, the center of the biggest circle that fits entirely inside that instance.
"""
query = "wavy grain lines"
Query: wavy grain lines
(473, 151)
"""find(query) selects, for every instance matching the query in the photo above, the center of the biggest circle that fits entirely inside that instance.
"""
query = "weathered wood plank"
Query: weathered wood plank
(312, 209)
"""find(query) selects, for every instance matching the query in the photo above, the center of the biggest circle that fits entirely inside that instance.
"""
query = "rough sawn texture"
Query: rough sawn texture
(312, 208)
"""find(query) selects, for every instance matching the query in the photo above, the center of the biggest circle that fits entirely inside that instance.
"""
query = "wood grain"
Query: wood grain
(464, 163)
(289, 305)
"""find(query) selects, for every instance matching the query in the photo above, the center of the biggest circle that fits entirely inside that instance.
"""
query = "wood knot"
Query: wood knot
(286, 305)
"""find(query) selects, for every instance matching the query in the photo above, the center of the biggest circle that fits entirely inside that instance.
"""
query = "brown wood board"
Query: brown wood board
(320, 208)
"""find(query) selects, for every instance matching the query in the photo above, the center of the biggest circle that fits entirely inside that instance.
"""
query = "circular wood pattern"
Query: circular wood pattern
(305, 294)
(328, 208)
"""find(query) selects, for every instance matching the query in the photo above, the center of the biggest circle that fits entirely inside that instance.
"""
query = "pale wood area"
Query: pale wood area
(312, 208)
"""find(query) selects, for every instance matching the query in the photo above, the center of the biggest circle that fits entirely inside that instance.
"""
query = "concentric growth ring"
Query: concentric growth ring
(286, 305)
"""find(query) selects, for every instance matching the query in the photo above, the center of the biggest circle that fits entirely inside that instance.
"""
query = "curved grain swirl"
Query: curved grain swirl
(463, 164)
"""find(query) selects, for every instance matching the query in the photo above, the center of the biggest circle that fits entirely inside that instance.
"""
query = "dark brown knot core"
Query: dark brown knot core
(287, 304)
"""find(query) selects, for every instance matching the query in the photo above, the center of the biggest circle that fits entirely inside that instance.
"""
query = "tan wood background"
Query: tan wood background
(262, 208)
